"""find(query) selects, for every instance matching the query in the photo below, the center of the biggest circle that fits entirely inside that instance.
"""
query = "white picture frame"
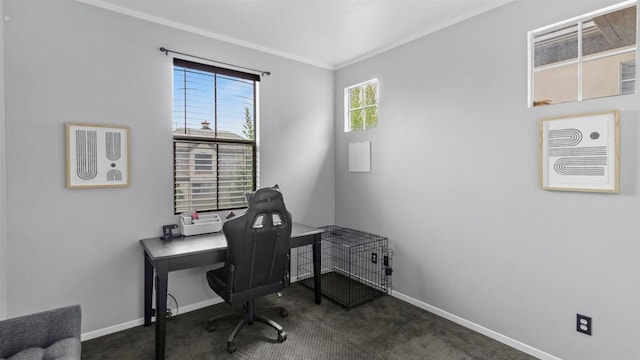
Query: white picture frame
(580, 152)
(97, 155)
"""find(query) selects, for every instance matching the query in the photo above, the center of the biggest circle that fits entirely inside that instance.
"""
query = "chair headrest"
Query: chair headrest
(262, 195)
(266, 205)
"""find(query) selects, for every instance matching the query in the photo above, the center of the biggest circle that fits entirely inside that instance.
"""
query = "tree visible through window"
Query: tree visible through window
(361, 106)
(214, 136)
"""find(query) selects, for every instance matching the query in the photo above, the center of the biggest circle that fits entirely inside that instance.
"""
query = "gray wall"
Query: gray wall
(71, 62)
(3, 228)
(454, 185)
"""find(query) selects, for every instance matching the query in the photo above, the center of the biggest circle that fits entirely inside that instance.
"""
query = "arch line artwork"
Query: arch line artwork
(97, 155)
(580, 152)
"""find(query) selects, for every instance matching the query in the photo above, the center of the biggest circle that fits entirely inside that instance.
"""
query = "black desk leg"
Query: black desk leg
(148, 289)
(161, 314)
(317, 269)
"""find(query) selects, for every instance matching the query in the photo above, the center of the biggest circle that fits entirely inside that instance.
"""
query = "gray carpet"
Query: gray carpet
(384, 329)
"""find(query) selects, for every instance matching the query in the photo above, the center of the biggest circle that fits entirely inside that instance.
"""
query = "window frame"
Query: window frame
(347, 104)
(580, 58)
(214, 142)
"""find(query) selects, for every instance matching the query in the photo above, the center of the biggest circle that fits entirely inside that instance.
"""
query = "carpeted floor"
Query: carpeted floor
(383, 329)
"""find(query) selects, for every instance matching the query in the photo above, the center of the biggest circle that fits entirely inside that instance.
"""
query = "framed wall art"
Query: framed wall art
(580, 152)
(97, 155)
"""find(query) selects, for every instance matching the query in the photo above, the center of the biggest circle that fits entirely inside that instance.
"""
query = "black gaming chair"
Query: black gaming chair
(257, 260)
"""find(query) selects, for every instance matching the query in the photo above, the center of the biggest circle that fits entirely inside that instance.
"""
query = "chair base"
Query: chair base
(248, 317)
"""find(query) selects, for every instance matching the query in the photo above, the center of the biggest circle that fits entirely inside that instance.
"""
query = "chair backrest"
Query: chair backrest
(258, 244)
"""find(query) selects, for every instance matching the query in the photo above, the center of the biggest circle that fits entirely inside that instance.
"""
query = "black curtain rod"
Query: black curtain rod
(167, 51)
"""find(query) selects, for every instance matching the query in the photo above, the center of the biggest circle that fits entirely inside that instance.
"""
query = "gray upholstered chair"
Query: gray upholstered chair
(52, 334)
(257, 260)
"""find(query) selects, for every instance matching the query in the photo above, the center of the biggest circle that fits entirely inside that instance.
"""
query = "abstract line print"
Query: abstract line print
(576, 161)
(97, 156)
(580, 152)
(86, 154)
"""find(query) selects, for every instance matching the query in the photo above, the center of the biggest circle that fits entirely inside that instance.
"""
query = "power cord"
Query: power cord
(169, 312)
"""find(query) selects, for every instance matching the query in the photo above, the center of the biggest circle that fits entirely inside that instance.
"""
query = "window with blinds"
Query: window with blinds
(214, 136)
(628, 77)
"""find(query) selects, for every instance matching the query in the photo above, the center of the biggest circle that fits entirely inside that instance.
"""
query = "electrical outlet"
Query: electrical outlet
(583, 324)
(374, 258)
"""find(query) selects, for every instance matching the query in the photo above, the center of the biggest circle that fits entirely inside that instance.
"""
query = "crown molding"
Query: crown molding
(201, 32)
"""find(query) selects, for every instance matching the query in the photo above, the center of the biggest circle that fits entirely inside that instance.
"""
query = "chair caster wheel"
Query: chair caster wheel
(231, 348)
(284, 313)
(211, 327)
(282, 336)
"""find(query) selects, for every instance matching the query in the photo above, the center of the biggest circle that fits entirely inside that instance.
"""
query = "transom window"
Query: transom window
(586, 57)
(214, 118)
(361, 106)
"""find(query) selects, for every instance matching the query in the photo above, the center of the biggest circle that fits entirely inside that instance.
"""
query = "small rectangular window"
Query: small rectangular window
(361, 106)
(584, 57)
(204, 162)
(628, 77)
(213, 136)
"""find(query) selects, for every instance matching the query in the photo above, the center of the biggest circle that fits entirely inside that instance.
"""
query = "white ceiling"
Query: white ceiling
(326, 33)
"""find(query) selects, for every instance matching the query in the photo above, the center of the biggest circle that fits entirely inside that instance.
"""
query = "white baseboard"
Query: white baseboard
(137, 322)
(133, 323)
(200, 305)
(477, 328)
(111, 329)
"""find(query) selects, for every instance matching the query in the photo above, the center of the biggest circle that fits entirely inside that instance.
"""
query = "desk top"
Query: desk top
(157, 249)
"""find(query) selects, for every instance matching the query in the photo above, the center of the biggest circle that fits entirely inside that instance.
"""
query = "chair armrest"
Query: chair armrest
(39, 330)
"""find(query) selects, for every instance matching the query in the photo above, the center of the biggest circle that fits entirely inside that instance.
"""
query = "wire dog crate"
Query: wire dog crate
(356, 266)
